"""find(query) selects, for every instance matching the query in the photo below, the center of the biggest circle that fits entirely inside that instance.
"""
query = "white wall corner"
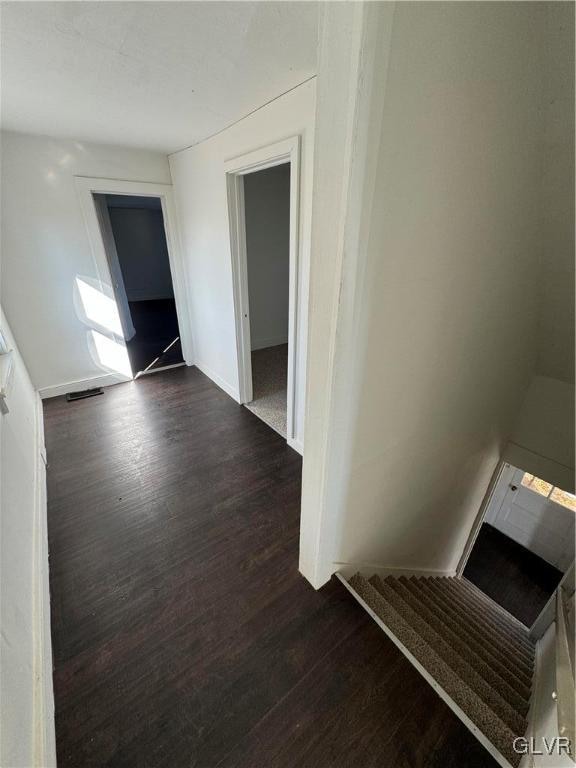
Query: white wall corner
(350, 94)
(219, 381)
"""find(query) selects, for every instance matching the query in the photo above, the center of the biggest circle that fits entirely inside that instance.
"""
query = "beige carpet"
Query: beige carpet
(479, 655)
(269, 386)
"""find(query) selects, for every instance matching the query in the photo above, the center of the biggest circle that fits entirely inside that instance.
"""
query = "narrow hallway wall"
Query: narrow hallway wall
(202, 207)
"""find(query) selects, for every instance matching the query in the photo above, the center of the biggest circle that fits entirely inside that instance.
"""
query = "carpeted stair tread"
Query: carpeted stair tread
(469, 702)
(469, 623)
(500, 634)
(504, 632)
(481, 636)
(490, 611)
(512, 625)
(448, 648)
(469, 651)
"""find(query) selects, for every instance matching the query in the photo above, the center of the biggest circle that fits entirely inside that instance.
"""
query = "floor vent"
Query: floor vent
(84, 393)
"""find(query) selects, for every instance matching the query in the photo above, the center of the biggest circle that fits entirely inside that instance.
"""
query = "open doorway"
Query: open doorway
(525, 543)
(263, 209)
(134, 237)
(267, 225)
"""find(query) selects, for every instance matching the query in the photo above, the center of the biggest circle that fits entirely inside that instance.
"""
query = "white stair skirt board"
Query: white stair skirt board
(426, 674)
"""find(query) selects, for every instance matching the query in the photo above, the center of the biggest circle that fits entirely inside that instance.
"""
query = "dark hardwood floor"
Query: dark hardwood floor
(518, 580)
(183, 634)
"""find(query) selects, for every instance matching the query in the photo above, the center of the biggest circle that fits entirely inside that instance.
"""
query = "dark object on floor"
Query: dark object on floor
(84, 393)
(156, 325)
(481, 657)
(515, 578)
(183, 633)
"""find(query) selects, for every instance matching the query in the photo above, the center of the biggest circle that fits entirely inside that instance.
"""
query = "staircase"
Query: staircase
(478, 657)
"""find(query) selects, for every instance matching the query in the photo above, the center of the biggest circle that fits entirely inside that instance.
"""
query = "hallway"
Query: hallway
(183, 633)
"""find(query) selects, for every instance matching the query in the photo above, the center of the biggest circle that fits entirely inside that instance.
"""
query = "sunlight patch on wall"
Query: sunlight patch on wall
(110, 353)
(97, 308)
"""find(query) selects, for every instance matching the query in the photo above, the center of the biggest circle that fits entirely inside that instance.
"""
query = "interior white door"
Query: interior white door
(115, 269)
(537, 522)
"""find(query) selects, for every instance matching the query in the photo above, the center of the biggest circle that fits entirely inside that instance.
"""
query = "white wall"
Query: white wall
(45, 246)
(27, 711)
(542, 441)
(200, 192)
(267, 210)
(141, 246)
(441, 318)
(557, 322)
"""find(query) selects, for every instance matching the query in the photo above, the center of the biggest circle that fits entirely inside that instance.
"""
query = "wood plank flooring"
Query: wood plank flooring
(183, 634)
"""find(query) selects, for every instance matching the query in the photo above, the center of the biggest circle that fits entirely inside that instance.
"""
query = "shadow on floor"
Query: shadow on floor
(156, 325)
(515, 578)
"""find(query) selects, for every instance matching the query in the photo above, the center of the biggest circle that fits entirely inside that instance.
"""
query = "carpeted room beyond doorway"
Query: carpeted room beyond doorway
(269, 385)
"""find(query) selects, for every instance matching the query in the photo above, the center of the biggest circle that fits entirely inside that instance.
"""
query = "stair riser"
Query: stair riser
(474, 622)
(490, 608)
(496, 731)
(470, 675)
(479, 641)
(469, 653)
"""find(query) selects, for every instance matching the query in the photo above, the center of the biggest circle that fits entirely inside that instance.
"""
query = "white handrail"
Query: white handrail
(565, 682)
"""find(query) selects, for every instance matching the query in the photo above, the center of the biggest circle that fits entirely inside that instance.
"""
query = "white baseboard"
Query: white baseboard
(43, 694)
(371, 569)
(106, 380)
(219, 381)
(274, 341)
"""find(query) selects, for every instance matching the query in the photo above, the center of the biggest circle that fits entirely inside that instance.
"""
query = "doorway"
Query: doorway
(525, 543)
(267, 227)
(134, 236)
(110, 323)
(263, 210)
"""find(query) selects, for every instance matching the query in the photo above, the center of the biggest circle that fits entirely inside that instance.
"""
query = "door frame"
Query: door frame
(279, 153)
(489, 497)
(86, 187)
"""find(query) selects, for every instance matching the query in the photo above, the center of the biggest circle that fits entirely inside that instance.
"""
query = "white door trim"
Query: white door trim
(287, 151)
(494, 488)
(86, 187)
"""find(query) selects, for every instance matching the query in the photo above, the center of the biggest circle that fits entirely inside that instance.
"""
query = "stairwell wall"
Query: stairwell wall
(438, 329)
